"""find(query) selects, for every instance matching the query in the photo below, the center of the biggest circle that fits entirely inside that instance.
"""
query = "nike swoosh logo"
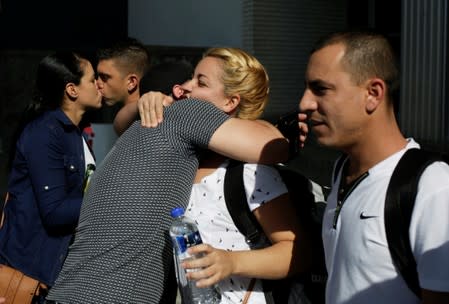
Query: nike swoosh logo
(364, 217)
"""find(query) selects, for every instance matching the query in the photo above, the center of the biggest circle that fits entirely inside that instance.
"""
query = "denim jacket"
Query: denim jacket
(45, 195)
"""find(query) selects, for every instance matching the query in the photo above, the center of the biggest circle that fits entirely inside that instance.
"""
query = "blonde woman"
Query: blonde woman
(238, 84)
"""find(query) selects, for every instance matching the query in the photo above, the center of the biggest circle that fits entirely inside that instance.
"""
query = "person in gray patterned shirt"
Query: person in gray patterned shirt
(121, 251)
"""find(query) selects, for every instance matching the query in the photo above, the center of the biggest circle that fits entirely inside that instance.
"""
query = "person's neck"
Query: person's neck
(73, 113)
(374, 147)
(209, 162)
(133, 97)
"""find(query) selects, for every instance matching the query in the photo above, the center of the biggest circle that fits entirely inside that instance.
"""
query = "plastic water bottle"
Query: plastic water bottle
(184, 234)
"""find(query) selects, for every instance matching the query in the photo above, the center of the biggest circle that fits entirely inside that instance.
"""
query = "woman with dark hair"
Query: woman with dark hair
(48, 169)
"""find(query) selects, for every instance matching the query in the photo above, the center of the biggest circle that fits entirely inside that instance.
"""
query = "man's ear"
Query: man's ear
(133, 83)
(376, 90)
(177, 91)
(71, 90)
(232, 103)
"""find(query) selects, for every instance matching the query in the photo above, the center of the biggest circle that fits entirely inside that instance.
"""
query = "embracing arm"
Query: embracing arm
(150, 107)
(254, 141)
(279, 260)
(246, 140)
(125, 117)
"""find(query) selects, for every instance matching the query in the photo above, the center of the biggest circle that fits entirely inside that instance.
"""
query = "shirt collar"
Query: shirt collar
(59, 115)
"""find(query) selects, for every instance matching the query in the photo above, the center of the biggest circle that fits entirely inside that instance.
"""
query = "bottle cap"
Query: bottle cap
(177, 212)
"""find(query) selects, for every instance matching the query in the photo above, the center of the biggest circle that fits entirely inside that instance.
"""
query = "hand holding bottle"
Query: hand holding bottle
(214, 265)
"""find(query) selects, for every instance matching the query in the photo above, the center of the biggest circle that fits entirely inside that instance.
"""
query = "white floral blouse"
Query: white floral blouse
(208, 208)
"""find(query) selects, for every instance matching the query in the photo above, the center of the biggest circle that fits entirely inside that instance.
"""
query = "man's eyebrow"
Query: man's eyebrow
(103, 75)
(318, 83)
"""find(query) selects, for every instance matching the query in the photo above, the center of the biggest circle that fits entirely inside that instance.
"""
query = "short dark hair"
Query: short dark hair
(131, 55)
(163, 76)
(367, 54)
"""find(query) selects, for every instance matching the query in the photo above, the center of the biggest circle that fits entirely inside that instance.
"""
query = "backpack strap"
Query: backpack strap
(399, 203)
(236, 203)
(244, 219)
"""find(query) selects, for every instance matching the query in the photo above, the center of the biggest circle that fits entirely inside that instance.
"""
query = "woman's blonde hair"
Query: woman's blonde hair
(243, 74)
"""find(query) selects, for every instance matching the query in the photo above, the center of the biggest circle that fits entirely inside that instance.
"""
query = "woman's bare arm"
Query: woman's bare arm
(252, 141)
(287, 255)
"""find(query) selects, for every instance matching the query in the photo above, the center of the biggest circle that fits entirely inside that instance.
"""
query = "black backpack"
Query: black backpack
(310, 214)
(399, 203)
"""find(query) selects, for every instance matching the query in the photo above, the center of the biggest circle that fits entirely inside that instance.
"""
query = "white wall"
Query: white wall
(191, 23)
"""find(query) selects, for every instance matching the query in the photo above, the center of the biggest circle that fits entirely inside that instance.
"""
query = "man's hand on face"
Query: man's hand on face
(303, 129)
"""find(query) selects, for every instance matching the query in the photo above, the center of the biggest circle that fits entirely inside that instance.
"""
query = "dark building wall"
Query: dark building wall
(29, 30)
(28, 24)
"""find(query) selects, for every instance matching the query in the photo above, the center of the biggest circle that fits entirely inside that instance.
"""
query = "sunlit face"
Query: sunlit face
(112, 84)
(334, 103)
(88, 94)
(207, 82)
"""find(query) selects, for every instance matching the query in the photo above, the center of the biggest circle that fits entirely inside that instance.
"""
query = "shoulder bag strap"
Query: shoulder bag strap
(3, 209)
